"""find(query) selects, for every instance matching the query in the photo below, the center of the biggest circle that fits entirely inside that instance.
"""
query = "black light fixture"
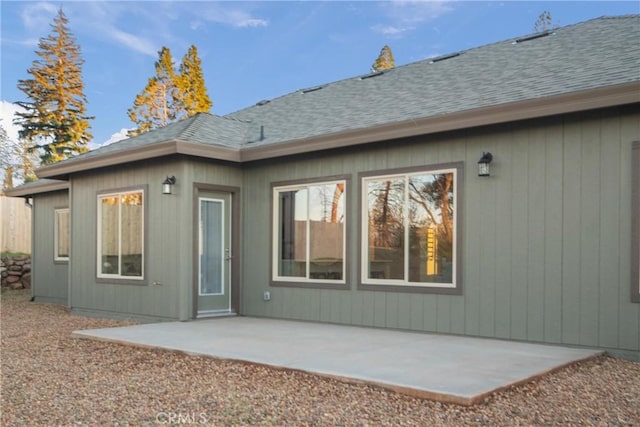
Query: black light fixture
(166, 185)
(483, 164)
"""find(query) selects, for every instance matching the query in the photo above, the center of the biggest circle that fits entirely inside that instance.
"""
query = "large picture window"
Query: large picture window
(121, 235)
(309, 232)
(410, 228)
(61, 235)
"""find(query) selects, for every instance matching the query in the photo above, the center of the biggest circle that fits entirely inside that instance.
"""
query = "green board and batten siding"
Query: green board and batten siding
(50, 281)
(166, 291)
(546, 238)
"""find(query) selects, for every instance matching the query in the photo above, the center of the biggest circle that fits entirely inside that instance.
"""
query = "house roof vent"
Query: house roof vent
(370, 75)
(532, 37)
(444, 57)
(312, 89)
(263, 102)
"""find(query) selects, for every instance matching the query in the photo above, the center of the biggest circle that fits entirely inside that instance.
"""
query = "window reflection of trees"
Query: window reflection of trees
(386, 201)
(423, 203)
(131, 199)
(432, 204)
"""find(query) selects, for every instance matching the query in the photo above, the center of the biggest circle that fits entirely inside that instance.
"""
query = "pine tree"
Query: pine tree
(191, 88)
(55, 117)
(26, 169)
(7, 182)
(158, 103)
(384, 61)
(16, 160)
(170, 95)
(6, 155)
(544, 22)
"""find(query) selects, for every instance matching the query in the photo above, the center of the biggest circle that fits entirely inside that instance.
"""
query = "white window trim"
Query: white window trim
(276, 234)
(365, 231)
(201, 248)
(56, 236)
(99, 235)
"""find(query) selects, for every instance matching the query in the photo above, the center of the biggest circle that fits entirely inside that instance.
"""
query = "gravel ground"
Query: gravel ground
(49, 378)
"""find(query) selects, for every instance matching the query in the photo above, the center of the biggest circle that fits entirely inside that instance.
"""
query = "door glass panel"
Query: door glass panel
(212, 247)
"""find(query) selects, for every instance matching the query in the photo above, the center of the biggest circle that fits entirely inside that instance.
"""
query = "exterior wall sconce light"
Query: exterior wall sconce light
(483, 164)
(166, 185)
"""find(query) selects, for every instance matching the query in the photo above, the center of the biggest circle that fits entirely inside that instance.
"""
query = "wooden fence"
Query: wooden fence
(15, 225)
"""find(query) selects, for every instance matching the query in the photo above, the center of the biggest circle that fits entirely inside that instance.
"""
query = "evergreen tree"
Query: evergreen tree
(7, 182)
(16, 161)
(191, 88)
(385, 60)
(6, 154)
(55, 116)
(544, 22)
(158, 104)
(28, 162)
(170, 95)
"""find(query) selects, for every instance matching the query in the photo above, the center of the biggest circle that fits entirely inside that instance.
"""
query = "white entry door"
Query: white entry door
(215, 253)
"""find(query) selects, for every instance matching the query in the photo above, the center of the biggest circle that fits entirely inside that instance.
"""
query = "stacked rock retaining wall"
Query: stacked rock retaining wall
(15, 272)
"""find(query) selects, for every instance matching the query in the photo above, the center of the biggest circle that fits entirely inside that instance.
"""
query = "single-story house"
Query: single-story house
(492, 192)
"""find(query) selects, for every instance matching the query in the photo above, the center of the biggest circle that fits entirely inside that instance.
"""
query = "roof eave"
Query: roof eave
(534, 108)
(208, 151)
(37, 188)
(144, 152)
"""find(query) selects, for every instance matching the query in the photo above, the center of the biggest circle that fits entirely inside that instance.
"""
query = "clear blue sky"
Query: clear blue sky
(258, 50)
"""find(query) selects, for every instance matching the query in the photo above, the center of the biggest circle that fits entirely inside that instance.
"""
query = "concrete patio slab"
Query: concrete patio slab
(448, 368)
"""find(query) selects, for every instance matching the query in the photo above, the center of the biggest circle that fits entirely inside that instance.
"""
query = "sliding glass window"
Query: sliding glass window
(121, 235)
(309, 232)
(410, 230)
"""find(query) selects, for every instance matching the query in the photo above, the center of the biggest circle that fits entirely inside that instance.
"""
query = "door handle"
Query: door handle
(228, 256)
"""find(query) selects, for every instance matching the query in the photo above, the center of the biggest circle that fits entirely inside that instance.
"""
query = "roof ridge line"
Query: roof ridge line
(504, 40)
(191, 128)
(233, 119)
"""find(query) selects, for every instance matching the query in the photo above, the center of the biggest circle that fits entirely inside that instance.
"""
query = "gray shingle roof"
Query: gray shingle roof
(42, 185)
(202, 128)
(597, 53)
(594, 54)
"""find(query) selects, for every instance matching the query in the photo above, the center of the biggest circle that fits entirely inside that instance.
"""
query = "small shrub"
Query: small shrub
(9, 254)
